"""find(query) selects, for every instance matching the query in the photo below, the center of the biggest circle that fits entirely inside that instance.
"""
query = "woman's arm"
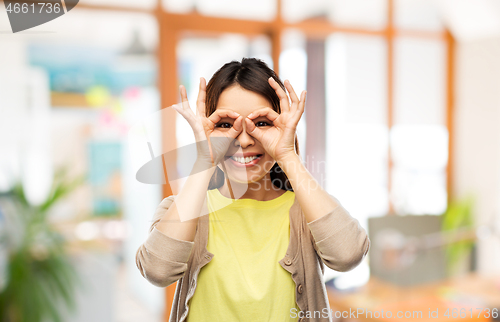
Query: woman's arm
(189, 201)
(162, 258)
(339, 239)
(313, 199)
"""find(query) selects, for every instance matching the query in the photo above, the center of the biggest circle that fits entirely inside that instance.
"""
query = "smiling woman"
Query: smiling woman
(258, 255)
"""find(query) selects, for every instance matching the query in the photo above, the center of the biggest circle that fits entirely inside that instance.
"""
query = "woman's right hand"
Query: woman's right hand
(212, 144)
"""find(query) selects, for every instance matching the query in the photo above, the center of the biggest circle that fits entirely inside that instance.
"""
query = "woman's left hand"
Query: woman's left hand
(279, 139)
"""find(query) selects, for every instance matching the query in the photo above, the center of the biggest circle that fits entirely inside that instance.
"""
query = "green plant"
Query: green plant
(458, 217)
(40, 275)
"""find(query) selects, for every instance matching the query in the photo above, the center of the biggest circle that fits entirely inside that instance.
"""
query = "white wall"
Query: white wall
(477, 136)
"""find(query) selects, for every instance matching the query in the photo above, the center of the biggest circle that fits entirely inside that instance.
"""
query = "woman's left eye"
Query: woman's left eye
(224, 125)
(262, 123)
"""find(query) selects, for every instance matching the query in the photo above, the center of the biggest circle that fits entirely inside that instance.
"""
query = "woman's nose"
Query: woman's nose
(244, 139)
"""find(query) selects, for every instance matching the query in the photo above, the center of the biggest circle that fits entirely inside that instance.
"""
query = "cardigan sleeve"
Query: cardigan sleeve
(339, 239)
(161, 259)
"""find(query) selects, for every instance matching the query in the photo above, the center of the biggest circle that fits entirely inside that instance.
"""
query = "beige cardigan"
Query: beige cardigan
(336, 239)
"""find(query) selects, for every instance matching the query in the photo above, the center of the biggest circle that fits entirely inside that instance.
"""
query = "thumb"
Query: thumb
(236, 128)
(254, 130)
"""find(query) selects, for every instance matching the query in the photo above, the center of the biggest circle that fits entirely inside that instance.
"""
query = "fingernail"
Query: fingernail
(249, 115)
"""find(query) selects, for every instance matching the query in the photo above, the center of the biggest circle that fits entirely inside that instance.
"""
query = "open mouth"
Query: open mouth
(245, 162)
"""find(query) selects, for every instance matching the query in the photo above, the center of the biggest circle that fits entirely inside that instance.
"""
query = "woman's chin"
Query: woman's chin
(241, 180)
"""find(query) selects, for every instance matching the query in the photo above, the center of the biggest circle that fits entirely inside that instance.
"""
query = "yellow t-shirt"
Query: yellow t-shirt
(244, 281)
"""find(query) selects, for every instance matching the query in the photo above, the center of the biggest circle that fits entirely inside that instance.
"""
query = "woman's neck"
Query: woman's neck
(261, 190)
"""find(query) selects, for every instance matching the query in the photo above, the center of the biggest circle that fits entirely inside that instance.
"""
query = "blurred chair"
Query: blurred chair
(395, 256)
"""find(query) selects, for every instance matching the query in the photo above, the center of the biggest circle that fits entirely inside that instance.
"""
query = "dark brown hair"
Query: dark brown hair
(251, 74)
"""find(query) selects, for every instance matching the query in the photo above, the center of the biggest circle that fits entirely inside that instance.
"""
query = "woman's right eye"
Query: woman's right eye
(224, 125)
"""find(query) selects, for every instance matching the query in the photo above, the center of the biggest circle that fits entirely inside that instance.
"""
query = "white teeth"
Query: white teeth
(244, 160)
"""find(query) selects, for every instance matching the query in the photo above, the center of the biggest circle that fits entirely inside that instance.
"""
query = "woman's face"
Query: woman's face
(246, 160)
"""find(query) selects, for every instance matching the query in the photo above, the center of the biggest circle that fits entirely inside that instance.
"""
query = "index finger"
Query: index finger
(265, 111)
(291, 91)
(202, 94)
(284, 103)
(221, 113)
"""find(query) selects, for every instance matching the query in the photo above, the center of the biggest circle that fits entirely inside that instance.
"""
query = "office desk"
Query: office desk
(460, 297)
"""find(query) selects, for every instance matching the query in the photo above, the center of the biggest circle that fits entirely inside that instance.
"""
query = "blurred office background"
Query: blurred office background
(402, 122)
